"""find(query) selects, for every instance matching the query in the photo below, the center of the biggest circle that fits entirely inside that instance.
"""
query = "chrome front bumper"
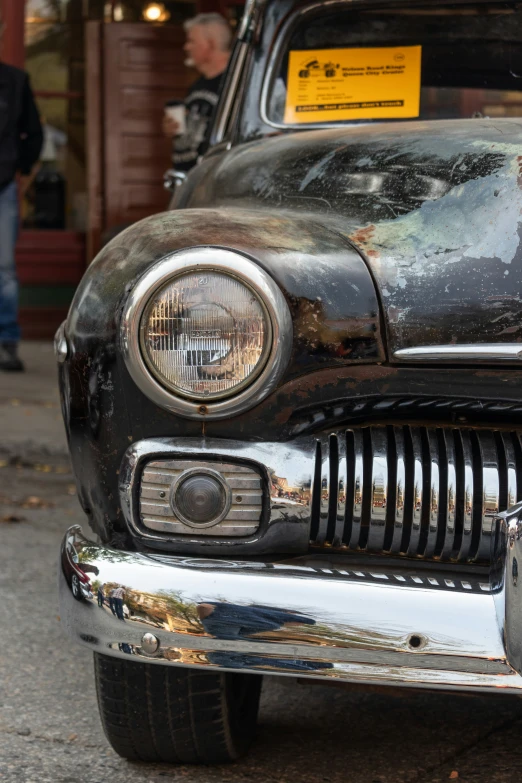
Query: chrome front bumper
(331, 619)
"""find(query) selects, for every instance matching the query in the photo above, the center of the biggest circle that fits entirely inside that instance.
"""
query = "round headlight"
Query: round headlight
(205, 335)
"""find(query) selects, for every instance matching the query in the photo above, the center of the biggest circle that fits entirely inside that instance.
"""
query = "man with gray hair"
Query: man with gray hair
(208, 50)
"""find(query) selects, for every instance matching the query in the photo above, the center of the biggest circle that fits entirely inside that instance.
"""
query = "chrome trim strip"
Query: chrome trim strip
(477, 352)
(352, 626)
(228, 262)
(229, 94)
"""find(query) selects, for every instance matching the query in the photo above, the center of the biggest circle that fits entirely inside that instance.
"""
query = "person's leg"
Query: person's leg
(9, 329)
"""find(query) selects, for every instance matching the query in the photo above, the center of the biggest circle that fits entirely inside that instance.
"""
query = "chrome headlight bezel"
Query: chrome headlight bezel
(246, 271)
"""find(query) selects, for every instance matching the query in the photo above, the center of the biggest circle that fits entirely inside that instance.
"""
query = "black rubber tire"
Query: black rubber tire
(175, 715)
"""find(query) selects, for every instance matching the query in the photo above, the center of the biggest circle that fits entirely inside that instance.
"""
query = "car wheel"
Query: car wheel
(179, 716)
(75, 587)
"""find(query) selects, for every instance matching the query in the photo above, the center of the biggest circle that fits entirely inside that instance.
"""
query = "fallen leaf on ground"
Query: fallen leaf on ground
(43, 468)
(454, 775)
(35, 502)
(10, 518)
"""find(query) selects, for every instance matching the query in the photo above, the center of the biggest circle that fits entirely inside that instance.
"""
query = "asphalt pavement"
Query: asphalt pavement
(49, 726)
(30, 418)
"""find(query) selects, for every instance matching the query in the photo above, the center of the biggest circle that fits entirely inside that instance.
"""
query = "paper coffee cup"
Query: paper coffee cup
(178, 113)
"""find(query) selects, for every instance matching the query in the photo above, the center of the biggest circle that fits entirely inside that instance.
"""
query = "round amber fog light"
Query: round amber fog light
(200, 498)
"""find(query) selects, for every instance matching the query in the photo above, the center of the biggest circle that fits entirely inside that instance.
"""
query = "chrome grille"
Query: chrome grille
(156, 513)
(417, 491)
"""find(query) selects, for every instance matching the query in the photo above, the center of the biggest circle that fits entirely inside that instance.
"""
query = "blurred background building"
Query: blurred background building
(101, 72)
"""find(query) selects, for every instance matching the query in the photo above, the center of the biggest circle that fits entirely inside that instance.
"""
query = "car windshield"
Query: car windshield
(427, 62)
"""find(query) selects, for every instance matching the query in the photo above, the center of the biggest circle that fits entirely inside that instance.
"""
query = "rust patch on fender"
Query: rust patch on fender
(363, 236)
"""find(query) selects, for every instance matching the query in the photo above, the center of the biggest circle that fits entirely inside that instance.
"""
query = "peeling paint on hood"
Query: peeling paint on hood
(434, 207)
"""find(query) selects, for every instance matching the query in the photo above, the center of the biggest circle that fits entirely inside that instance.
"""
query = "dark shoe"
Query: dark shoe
(9, 359)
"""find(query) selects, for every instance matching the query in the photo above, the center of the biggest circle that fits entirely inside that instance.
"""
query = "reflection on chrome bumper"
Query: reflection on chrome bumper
(378, 623)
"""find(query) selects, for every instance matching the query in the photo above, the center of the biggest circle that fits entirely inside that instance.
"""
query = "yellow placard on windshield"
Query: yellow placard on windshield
(353, 84)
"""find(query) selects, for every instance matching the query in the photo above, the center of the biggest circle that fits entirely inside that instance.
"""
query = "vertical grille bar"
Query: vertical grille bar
(400, 489)
(391, 502)
(316, 493)
(324, 491)
(467, 496)
(379, 490)
(342, 481)
(417, 498)
(357, 489)
(433, 501)
(490, 493)
(350, 486)
(511, 469)
(367, 487)
(451, 496)
(333, 487)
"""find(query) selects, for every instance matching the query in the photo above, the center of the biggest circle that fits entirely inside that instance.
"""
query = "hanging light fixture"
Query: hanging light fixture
(113, 12)
(155, 12)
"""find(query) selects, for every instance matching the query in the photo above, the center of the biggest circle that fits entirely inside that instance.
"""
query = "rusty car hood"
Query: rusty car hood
(435, 208)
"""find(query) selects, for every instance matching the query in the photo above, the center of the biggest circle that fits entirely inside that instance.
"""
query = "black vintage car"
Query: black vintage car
(294, 401)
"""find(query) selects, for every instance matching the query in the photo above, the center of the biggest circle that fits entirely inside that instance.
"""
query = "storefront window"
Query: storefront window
(54, 60)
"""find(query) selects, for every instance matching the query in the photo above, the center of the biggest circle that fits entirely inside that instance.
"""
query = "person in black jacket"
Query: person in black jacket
(21, 139)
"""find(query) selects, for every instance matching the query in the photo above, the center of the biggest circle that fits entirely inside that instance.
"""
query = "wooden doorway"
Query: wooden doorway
(133, 69)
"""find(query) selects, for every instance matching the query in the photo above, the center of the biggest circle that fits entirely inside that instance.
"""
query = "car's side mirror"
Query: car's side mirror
(173, 180)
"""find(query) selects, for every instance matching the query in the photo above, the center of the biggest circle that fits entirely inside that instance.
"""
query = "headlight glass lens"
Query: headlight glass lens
(205, 335)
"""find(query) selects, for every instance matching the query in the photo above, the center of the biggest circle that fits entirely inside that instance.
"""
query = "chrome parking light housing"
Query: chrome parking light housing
(270, 364)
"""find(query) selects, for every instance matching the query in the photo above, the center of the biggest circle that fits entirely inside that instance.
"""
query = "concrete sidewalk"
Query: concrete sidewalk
(31, 425)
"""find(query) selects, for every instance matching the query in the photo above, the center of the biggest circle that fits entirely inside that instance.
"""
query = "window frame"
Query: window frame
(280, 43)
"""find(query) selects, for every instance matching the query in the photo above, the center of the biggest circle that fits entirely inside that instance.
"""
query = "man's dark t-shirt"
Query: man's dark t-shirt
(201, 103)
